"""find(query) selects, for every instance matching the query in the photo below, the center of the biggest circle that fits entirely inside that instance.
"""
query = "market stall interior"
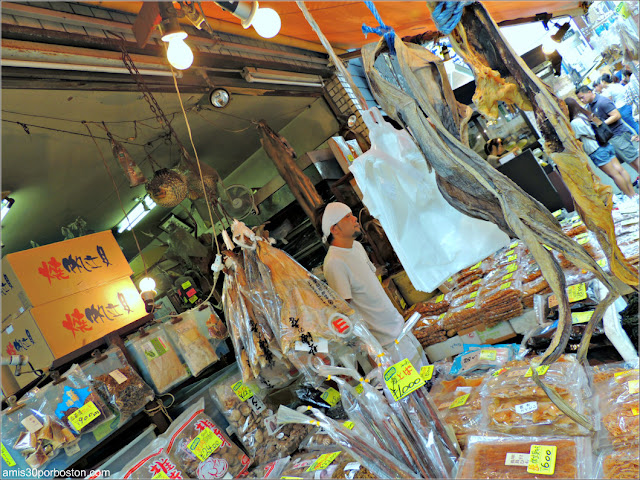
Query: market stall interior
(165, 311)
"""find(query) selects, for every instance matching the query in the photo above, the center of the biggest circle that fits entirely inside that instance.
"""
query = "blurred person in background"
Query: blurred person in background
(603, 157)
(616, 92)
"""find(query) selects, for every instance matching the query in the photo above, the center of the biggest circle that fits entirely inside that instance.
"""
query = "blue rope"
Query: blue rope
(382, 31)
(446, 15)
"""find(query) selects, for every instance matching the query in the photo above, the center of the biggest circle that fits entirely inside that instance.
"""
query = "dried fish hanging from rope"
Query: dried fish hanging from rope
(503, 76)
(472, 178)
(127, 163)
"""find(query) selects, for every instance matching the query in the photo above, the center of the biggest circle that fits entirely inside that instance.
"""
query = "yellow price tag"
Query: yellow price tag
(323, 461)
(426, 372)
(557, 213)
(580, 317)
(507, 276)
(633, 386)
(473, 294)
(470, 305)
(512, 268)
(331, 396)
(359, 389)
(243, 392)
(204, 444)
(476, 282)
(488, 355)
(584, 240)
(514, 244)
(441, 316)
(439, 298)
(476, 266)
(161, 475)
(509, 252)
(500, 372)
(83, 416)
(626, 372)
(349, 424)
(402, 379)
(546, 246)
(512, 258)
(504, 286)
(6, 456)
(541, 371)
(542, 459)
(577, 292)
(450, 279)
(634, 410)
(602, 262)
(461, 400)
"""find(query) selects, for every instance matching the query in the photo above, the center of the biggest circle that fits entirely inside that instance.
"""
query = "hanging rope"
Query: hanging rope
(446, 15)
(382, 31)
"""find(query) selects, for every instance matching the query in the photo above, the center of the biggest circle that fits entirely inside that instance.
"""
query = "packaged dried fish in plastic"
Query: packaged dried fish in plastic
(500, 302)
(378, 461)
(157, 359)
(253, 419)
(430, 330)
(273, 469)
(76, 402)
(200, 449)
(619, 408)
(512, 403)
(620, 463)
(118, 383)
(526, 457)
(192, 346)
(31, 437)
(463, 317)
(318, 464)
(208, 322)
(435, 306)
(482, 357)
(152, 462)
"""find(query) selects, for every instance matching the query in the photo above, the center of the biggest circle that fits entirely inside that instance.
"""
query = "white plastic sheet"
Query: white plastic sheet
(432, 239)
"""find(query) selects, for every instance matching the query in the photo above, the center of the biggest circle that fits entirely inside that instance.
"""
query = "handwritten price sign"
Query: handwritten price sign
(242, 391)
(323, 461)
(204, 444)
(402, 379)
(542, 459)
(84, 416)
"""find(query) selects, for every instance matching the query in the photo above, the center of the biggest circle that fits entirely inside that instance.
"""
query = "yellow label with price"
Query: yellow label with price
(402, 379)
(461, 400)
(323, 461)
(476, 266)
(541, 371)
(488, 355)
(512, 268)
(426, 372)
(331, 396)
(6, 456)
(204, 444)
(84, 416)
(504, 286)
(243, 392)
(542, 459)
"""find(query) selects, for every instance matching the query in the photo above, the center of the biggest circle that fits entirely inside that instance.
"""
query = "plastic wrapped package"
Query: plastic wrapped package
(530, 272)
(157, 359)
(501, 302)
(481, 357)
(208, 322)
(538, 286)
(76, 402)
(31, 436)
(379, 462)
(603, 373)
(430, 330)
(254, 420)
(463, 317)
(506, 273)
(510, 457)
(152, 462)
(464, 295)
(435, 306)
(192, 346)
(621, 463)
(272, 469)
(118, 383)
(619, 408)
(512, 403)
(200, 449)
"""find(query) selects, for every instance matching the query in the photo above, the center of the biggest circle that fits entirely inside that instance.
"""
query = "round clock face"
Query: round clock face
(219, 98)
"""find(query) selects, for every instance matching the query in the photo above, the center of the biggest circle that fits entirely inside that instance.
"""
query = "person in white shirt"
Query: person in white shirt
(351, 274)
(616, 92)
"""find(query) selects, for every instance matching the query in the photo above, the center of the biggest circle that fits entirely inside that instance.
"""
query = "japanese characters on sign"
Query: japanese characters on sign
(76, 321)
(53, 269)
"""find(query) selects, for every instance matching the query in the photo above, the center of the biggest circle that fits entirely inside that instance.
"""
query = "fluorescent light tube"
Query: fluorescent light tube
(262, 75)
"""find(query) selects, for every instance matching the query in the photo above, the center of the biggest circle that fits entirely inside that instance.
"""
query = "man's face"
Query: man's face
(586, 97)
(348, 227)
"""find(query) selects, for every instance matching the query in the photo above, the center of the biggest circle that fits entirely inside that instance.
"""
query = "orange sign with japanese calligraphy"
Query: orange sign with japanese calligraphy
(40, 275)
(71, 322)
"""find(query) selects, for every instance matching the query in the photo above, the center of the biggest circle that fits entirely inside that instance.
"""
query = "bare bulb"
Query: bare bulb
(266, 22)
(179, 54)
(147, 284)
(549, 46)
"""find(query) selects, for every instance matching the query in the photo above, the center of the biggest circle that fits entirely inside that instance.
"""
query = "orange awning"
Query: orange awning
(341, 22)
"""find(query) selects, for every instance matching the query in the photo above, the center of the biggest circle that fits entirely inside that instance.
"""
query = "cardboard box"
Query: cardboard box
(41, 275)
(71, 322)
(496, 334)
(448, 348)
(407, 290)
(21, 336)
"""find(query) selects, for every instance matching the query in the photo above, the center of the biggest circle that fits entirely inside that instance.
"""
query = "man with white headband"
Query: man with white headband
(351, 274)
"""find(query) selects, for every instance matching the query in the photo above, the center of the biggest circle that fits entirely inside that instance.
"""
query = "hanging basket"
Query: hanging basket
(167, 188)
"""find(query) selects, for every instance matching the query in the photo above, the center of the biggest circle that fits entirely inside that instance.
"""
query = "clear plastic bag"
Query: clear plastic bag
(118, 383)
(508, 457)
(197, 446)
(157, 359)
(208, 322)
(501, 302)
(192, 346)
(621, 463)
(512, 403)
(429, 236)
(481, 357)
(152, 462)
(253, 419)
(31, 436)
(618, 399)
(430, 330)
(463, 317)
(273, 469)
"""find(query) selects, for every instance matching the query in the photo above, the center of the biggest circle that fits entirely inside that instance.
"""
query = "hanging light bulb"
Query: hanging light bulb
(179, 54)
(148, 293)
(548, 45)
(266, 22)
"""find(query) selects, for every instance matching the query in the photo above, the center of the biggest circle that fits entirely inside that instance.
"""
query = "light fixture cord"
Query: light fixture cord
(115, 187)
